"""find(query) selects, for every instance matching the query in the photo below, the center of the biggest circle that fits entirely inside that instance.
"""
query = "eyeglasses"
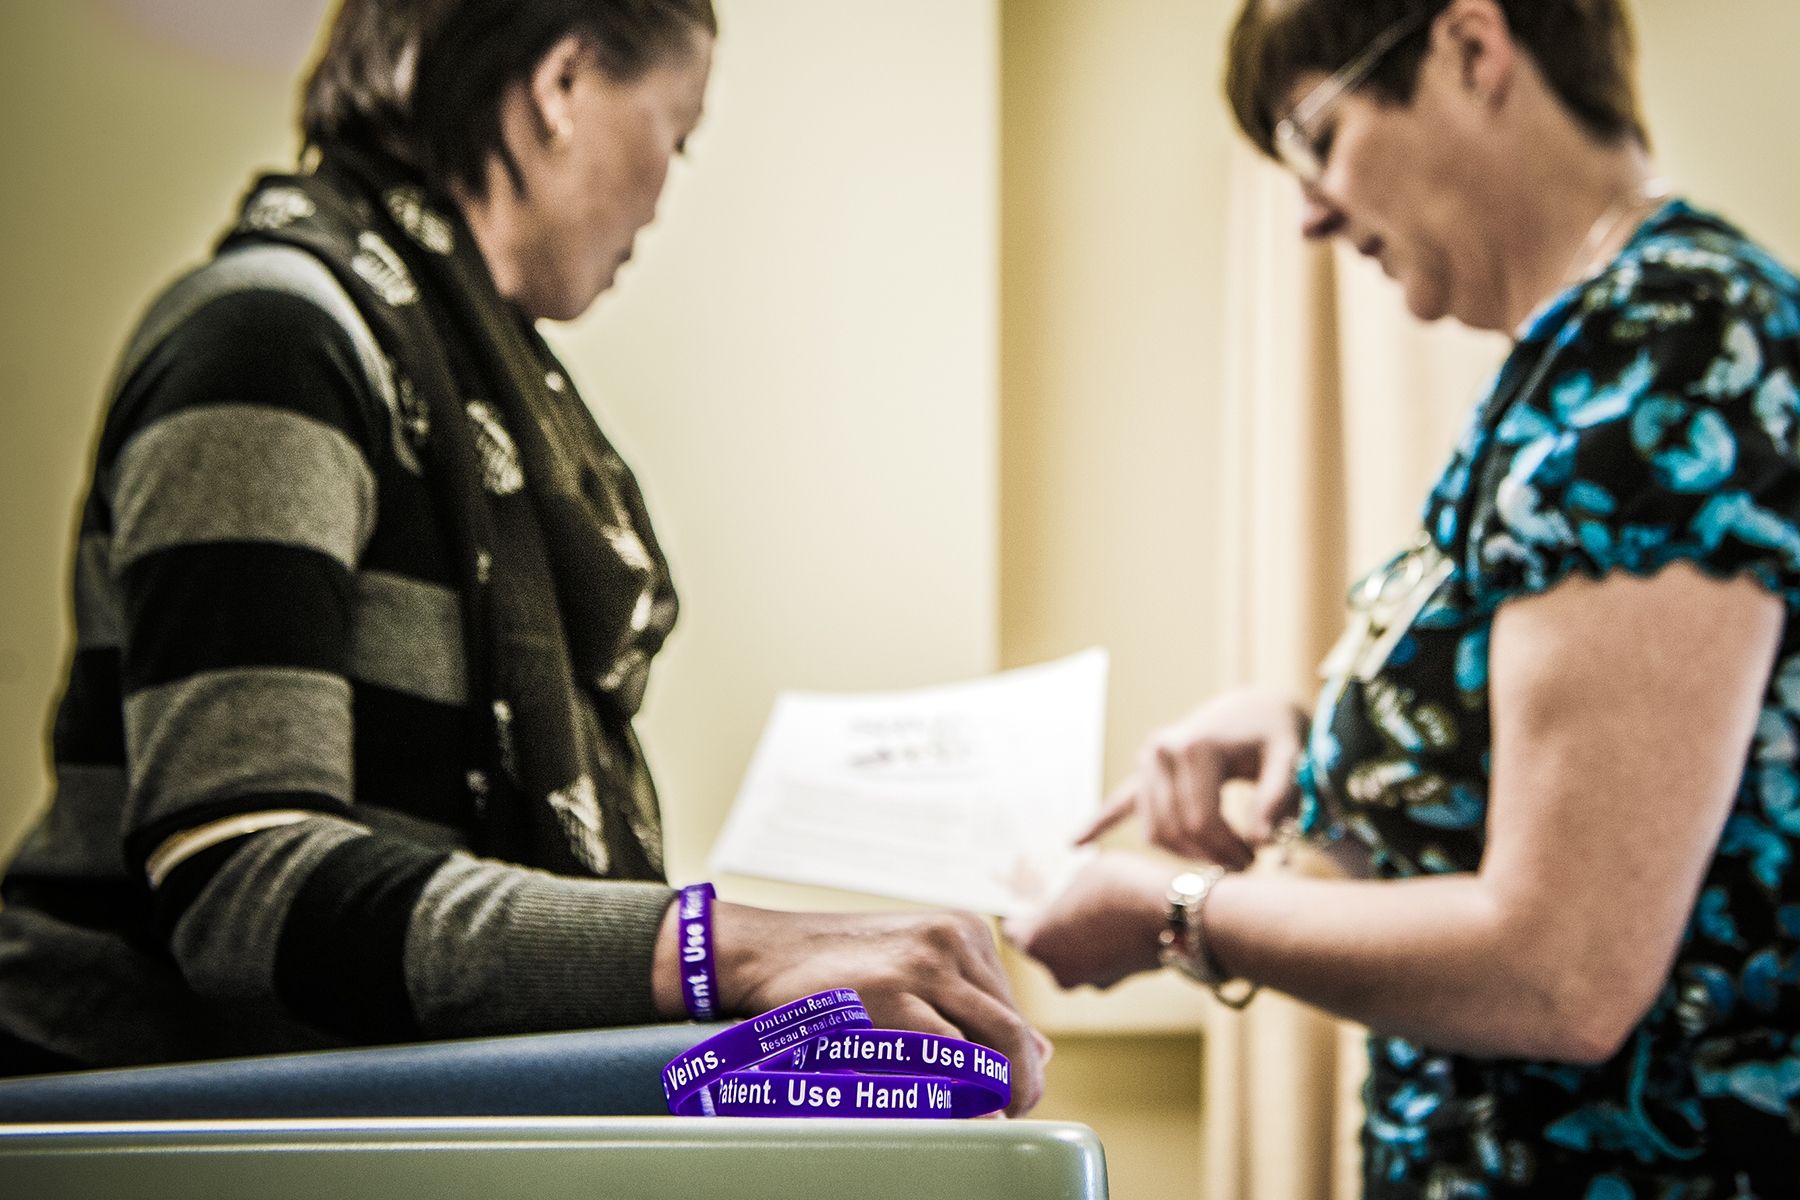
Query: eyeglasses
(1296, 138)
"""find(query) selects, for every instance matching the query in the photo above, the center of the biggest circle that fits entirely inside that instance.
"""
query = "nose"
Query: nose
(1319, 217)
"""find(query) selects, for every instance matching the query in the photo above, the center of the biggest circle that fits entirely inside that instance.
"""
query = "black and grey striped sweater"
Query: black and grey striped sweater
(270, 670)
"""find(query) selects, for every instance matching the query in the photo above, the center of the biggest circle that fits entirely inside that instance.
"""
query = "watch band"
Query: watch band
(1182, 945)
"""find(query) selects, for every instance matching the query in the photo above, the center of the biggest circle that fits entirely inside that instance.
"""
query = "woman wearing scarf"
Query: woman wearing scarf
(366, 603)
(1562, 733)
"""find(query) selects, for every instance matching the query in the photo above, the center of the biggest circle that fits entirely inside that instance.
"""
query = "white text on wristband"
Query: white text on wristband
(699, 975)
(819, 1057)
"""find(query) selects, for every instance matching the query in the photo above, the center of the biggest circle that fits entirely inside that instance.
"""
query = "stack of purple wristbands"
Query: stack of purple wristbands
(818, 1056)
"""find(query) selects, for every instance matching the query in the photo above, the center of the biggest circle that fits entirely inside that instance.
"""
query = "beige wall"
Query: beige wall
(1114, 244)
(124, 157)
(802, 366)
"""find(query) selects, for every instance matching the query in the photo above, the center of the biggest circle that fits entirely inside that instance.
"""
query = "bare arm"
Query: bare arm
(1622, 713)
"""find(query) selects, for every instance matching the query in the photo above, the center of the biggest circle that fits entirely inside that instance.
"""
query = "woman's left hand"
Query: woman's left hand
(1251, 734)
(1104, 925)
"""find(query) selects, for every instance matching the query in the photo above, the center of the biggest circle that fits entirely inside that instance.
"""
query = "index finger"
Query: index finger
(1120, 804)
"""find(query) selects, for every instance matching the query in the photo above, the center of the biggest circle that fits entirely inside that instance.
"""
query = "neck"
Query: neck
(494, 222)
(1581, 209)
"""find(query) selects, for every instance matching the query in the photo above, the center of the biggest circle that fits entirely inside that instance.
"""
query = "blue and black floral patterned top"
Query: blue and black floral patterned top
(1647, 415)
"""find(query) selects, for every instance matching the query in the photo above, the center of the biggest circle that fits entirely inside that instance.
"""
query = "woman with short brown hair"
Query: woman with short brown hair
(1562, 736)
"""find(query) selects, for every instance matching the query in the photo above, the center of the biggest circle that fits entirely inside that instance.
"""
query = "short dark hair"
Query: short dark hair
(423, 79)
(1584, 48)
(360, 90)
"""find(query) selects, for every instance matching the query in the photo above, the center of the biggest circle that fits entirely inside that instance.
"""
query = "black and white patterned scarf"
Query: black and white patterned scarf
(566, 595)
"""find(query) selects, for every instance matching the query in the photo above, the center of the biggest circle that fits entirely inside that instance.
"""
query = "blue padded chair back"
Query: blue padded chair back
(613, 1072)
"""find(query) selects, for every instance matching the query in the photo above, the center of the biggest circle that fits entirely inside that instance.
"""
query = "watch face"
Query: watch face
(1188, 884)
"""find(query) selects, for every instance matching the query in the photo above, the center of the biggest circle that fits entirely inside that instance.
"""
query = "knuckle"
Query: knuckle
(1200, 747)
(944, 931)
(937, 941)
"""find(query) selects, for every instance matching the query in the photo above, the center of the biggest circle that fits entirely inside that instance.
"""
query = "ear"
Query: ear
(551, 89)
(1478, 39)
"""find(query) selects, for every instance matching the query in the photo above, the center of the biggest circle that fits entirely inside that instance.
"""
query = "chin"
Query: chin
(1427, 304)
(557, 312)
(592, 294)
(572, 306)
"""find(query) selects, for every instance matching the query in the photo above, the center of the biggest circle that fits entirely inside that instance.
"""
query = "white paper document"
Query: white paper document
(965, 795)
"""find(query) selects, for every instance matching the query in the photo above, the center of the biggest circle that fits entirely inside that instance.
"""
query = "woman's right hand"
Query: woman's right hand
(937, 972)
(1251, 734)
(1104, 926)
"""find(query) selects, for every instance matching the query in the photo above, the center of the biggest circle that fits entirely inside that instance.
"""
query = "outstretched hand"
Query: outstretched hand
(1103, 927)
(1178, 784)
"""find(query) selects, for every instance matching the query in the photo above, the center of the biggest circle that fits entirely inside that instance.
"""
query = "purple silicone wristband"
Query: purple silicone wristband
(819, 1057)
(699, 975)
(776, 1032)
(904, 1052)
(852, 1094)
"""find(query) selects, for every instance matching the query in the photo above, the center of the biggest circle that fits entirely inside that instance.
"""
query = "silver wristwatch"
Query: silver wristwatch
(1183, 942)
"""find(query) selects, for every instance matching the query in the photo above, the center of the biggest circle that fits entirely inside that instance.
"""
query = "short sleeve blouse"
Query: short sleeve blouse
(1648, 415)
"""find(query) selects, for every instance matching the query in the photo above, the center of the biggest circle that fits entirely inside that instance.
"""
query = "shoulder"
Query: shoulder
(1693, 316)
(261, 325)
(1692, 300)
(1687, 250)
(1660, 418)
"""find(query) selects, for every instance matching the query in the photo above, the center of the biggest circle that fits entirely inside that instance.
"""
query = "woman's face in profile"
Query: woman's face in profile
(599, 187)
(1400, 187)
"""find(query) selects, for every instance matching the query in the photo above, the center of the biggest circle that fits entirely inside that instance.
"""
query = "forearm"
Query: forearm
(1451, 960)
(497, 948)
(1434, 959)
(376, 939)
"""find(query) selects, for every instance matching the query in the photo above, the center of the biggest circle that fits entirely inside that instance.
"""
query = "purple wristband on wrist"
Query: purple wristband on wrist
(699, 975)
(819, 1057)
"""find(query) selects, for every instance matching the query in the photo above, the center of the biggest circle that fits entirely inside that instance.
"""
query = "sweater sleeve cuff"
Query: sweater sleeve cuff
(496, 949)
